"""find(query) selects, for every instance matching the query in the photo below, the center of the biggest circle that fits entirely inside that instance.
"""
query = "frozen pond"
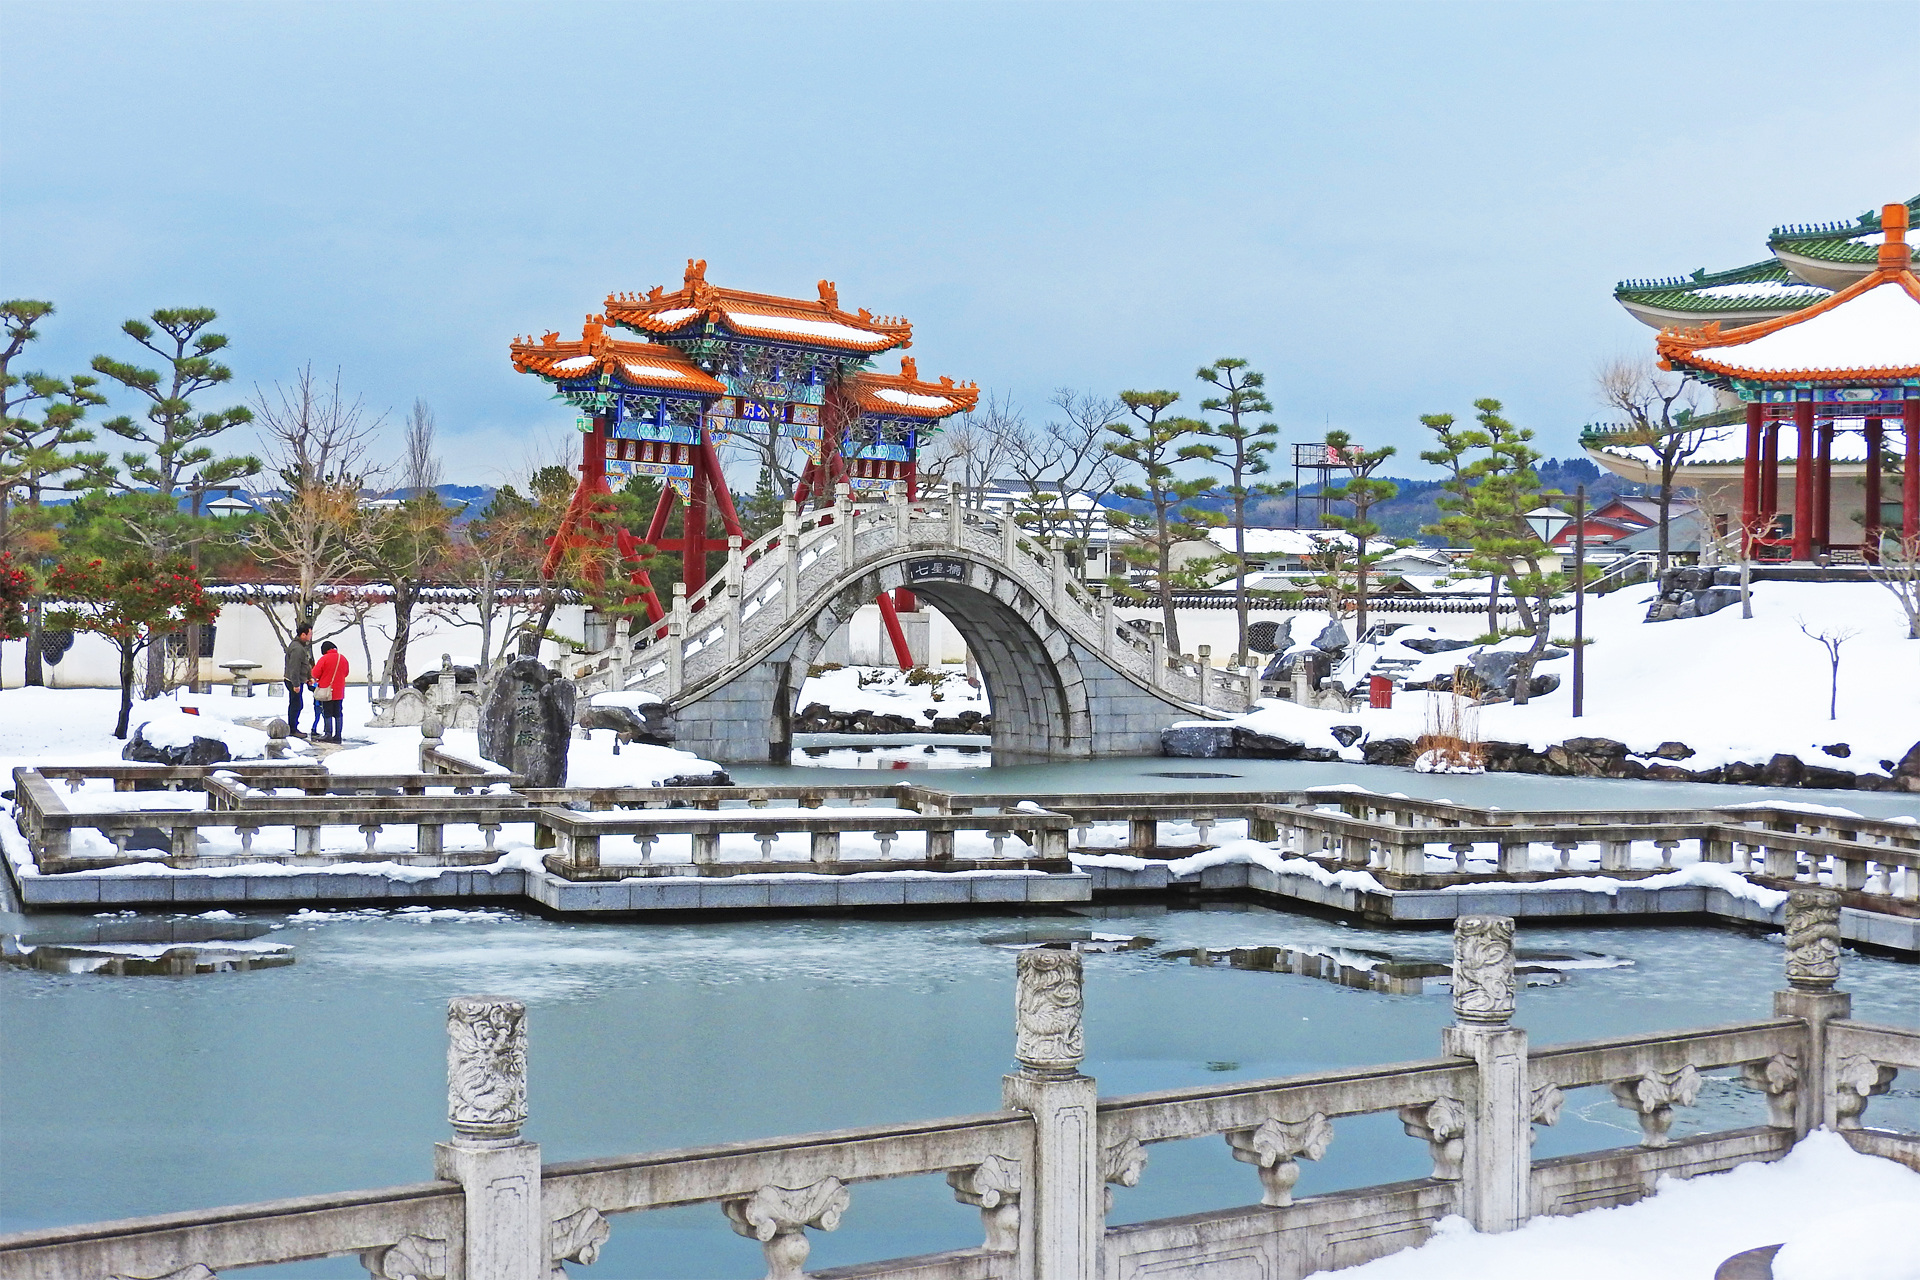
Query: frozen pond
(130, 1095)
(967, 770)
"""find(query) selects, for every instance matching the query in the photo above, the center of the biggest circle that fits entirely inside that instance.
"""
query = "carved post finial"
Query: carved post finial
(486, 1067)
(1813, 939)
(1047, 1006)
(1483, 969)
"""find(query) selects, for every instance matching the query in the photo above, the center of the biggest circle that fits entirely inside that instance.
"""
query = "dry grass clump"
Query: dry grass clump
(1451, 743)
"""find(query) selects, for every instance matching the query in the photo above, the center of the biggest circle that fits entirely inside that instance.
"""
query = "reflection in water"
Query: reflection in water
(1385, 973)
(1082, 940)
(891, 755)
(145, 947)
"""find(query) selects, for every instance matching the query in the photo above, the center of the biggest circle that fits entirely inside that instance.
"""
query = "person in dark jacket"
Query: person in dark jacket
(299, 669)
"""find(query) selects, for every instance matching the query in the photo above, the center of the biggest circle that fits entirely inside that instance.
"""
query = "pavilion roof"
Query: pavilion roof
(645, 366)
(1845, 242)
(689, 309)
(1868, 331)
(1760, 286)
(904, 395)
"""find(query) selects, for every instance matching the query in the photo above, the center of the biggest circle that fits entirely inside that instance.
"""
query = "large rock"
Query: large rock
(1906, 773)
(1436, 644)
(1332, 636)
(199, 751)
(1396, 751)
(1714, 599)
(526, 722)
(1494, 668)
(426, 680)
(1783, 771)
(1197, 741)
(647, 723)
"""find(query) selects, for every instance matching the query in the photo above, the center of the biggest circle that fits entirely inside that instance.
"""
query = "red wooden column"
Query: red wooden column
(1770, 475)
(1750, 481)
(1870, 538)
(1803, 486)
(1823, 489)
(1910, 473)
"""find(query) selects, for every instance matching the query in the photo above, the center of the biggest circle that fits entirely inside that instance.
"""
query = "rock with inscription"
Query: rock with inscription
(526, 722)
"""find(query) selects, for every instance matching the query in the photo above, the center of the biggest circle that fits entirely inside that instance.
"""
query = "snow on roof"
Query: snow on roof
(1769, 290)
(576, 362)
(1280, 542)
(793, 326)
(908, 398)
(651, 370)
(675, 315)
(1877, 329)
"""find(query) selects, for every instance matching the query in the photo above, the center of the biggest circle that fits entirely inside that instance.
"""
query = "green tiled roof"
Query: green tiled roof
(1601, 435)
(1834, 241)
(1684, 293)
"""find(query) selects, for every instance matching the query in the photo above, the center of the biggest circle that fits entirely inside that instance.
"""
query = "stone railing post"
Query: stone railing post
(1496, 1172)
(902, 514)
(1057, 561)
(432, 732)
(790, 543)
(956, 519)
(622, 650)
(1106, 621)
(1009, 535)
(677, 639)
(736, 573)
(506, 1237)
(1158, 648)
(1061, 1204)
(1813, 966)
(843, 518)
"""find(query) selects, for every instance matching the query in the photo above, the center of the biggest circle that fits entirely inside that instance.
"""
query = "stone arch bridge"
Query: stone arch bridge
(1067, 680)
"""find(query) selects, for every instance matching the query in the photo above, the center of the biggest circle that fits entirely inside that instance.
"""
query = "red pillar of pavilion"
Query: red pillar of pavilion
(1870, 539)
(1803, 473)
(1770, 477)
(1750, 481)
(1910, 473)
(1823, 489)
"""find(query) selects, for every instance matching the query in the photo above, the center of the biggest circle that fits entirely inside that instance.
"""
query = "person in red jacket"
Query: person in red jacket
(330, 690)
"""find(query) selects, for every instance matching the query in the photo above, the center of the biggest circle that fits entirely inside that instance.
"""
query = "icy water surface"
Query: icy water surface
(127, 1096)
(955, 770)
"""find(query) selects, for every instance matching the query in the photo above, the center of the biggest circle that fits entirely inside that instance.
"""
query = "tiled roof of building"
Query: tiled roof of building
(1853, 242)
(696, 304)
(1761, 286)
(904, 395)
(1869, 331)
(642, 366)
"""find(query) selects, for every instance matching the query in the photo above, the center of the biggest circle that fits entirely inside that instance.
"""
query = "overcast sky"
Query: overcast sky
(1391, 209)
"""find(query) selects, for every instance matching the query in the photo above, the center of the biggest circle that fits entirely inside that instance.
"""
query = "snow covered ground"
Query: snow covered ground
(1732, 689)
(887, 691)
(1840, 1215)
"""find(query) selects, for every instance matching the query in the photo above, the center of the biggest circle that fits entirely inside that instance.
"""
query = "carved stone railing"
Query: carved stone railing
(783, 580)
(1039, 1170)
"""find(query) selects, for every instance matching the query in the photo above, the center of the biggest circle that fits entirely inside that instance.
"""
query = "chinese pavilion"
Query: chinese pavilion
(1845, 365)
(706, 365)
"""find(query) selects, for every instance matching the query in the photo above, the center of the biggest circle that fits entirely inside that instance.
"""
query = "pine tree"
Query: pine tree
(1247, 453)
(1154, 444)
(1362, 490)
(1492, 487)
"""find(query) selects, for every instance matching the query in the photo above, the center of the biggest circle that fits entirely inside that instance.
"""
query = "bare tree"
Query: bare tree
(1068, 467)
(1660, 409)
(1830, 640)
(1898, 571)
(420, 461)
(972, 447)
(310, 529)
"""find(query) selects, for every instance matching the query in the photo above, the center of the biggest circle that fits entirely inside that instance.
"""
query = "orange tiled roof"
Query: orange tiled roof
(1816, 342)
(905, 395)
(759, 315)
(648, 366)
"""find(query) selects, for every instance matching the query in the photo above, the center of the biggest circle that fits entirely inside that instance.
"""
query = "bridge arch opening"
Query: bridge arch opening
(1035, 686)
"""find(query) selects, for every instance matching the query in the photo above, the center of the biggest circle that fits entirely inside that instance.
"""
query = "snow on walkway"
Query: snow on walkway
(1841, 1215)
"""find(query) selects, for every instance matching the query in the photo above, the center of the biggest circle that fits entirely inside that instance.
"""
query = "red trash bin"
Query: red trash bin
(1380, 691)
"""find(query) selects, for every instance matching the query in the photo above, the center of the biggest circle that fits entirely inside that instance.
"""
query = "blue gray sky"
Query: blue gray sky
(1390, 209)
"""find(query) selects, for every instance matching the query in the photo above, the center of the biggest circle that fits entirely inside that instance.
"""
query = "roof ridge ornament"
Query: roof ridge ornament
(909, 369)
(1894, 254)
(829, 295)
